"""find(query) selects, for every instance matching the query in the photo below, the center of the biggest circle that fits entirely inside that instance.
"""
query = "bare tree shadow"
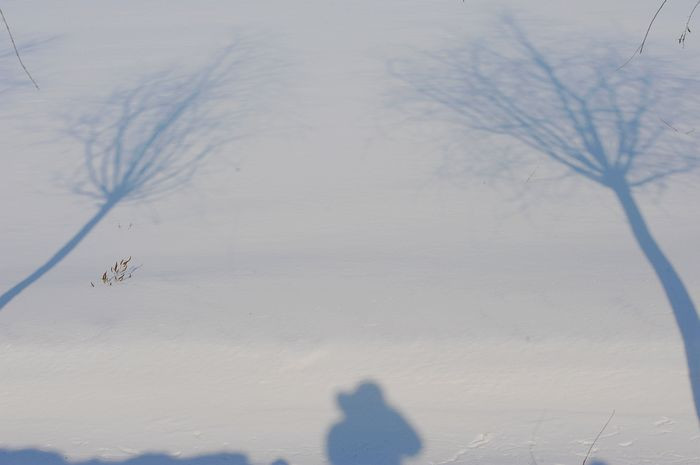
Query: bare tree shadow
(371, 432)
(614, 127)
(149, 140)
(39, 457)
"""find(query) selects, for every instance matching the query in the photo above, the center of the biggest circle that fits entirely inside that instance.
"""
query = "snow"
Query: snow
(326, 246)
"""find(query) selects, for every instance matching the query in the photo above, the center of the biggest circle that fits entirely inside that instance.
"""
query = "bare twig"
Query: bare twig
(646, 35)
(686, 29)
(14, 45)
(681, 38)
(597, 437)
(534, 437)
(531, 174)
(651, 23)
(668, 124)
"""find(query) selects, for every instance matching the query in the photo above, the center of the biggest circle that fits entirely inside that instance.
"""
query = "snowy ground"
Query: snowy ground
(323, 247)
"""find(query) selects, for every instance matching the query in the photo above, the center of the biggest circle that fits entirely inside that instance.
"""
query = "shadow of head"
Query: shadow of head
(367, 398)
(371, 432)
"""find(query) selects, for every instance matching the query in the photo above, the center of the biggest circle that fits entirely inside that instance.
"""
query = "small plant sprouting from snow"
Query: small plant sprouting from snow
(119, 272)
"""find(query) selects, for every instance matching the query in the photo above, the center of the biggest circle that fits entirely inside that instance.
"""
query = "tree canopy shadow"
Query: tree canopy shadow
(613, 127)
(370, 432)
(147, 141)
(40, 457)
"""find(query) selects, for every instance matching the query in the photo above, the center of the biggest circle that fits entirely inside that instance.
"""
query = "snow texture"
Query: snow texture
(363, 233)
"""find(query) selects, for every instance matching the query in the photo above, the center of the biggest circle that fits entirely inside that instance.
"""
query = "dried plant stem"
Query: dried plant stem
(119, 272)
(646, 35)
(651, 23)
(14, 46)
(686, 29)
(597, 437)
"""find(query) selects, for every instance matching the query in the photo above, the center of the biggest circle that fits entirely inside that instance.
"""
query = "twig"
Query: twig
(668, 124)
(651, 23)
(597, 437)
(686, 30)
(646, 35)
(533, 438)
(12, 39)
(531, 174)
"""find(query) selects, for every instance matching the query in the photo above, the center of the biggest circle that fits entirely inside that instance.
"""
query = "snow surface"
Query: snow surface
(324, 246)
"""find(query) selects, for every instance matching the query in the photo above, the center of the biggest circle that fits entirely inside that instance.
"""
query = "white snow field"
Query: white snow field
(338, 228)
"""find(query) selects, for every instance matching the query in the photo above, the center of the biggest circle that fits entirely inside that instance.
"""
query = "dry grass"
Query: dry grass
(117, 273)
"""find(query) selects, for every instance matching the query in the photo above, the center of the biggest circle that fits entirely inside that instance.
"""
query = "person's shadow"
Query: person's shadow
(371, 432)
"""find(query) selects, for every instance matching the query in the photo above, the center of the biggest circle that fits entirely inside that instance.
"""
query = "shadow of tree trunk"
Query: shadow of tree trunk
(67, 248)
(684, 310)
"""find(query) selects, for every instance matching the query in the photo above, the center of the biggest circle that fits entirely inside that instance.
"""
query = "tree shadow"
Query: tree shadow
(39, 457)
(371, 432)
(149, 140)
(614, 127)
